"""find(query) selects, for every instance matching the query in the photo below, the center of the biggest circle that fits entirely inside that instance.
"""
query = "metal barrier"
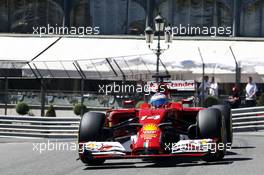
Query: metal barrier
(244, 119)
(39, 127)
(248, 119)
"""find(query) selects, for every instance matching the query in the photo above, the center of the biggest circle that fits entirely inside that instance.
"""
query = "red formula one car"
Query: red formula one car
(168, 131)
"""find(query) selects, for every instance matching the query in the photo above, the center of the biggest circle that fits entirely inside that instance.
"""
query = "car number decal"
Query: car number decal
(155, 117)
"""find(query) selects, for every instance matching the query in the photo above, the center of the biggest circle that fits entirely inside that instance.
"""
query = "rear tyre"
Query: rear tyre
(226, 111)
(211, 124)
(90, 129)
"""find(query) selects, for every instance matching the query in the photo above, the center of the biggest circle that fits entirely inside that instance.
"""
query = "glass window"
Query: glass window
(109, 15)
(81, 14)
(21, 15)
(198, 13)
(4, 16)
(136, 19)
(251, 18)
(118, 17)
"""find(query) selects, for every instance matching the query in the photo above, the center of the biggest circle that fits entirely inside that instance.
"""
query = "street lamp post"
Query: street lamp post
(149, 34)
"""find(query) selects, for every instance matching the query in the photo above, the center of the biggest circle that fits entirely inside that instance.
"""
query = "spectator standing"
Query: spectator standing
(234, 100)
(206, 86)
(213, 90)
(251, 91)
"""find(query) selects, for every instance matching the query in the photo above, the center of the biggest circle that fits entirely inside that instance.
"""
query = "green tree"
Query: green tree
(78, 107)
(261, 100)
(22, 108)
(210, 101)
(50, 112)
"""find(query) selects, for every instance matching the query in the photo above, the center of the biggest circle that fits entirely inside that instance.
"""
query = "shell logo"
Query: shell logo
(90, 146)
(150, 127)
(203, 142)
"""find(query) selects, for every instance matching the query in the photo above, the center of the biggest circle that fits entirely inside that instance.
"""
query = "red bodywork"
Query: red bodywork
(149, 133)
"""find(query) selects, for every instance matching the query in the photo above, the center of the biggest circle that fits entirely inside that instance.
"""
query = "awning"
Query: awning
(182, 55)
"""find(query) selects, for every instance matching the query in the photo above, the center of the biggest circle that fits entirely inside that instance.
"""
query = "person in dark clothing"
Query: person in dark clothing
(234, 100)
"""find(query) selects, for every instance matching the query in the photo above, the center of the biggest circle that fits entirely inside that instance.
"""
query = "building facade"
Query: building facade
(122, 17)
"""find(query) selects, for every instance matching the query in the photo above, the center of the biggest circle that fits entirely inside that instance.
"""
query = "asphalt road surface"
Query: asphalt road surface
(24, 157)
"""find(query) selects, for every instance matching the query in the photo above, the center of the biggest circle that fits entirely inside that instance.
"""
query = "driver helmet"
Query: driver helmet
(158, 99)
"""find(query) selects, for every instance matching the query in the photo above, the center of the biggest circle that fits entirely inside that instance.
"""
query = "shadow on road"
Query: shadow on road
(180, 162)
(243, 147)
(225, 161)
(231, 153)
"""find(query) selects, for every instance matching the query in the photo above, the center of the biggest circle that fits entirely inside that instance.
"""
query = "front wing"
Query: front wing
(183, 148)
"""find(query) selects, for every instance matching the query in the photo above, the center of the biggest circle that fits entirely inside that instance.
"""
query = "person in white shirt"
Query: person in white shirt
(213, 90)
(206, 87)
(251, 91)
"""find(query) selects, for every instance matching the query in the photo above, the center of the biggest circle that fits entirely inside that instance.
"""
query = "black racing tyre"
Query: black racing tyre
(211, 124)
(226, 111)
(90, 129)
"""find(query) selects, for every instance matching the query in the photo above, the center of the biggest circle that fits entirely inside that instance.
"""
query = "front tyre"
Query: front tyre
(90, 129)
(211, 124)
(226, 111)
